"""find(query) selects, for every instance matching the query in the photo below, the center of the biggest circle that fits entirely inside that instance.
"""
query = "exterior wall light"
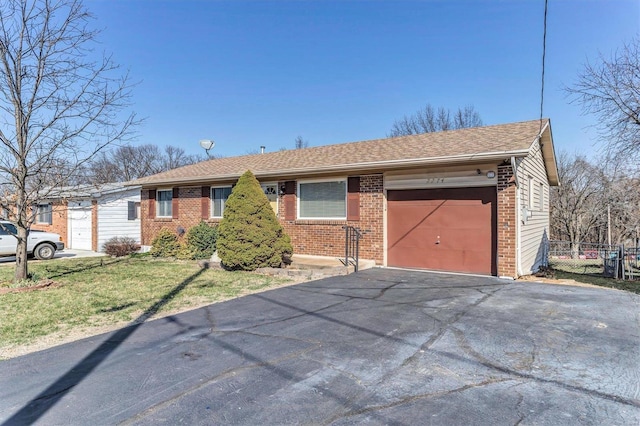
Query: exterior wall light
(491, 174)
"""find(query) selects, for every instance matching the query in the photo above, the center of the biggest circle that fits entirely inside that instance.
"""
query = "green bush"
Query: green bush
(165, 244)
(249, 235)
(120, 246)
(201, 241)
(185, 252)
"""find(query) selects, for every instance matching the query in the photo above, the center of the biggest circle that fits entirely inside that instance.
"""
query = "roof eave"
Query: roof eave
(548, 153)
(357, 167)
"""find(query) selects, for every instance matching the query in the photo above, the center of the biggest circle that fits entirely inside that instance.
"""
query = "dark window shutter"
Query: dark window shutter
(174, 203)
(290, 200)
(205, 206)
(152, 203)
(131, 210)
(353, 198)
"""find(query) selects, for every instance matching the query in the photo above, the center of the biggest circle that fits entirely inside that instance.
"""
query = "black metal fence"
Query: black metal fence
(614, 261)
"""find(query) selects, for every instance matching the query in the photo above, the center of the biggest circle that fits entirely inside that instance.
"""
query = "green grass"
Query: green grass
(589, 271)
(103, 291)
(632, 286)
(578, 266)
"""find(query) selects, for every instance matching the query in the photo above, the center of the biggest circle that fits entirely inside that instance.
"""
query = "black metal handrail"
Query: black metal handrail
(352, 246)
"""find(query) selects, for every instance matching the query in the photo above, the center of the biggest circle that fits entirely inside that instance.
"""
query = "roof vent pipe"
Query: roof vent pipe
(262, 147)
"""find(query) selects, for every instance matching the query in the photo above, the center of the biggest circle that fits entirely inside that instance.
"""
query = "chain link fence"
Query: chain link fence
(614, 261)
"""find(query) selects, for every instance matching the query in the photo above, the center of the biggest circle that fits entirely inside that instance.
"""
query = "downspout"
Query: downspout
(514, 167)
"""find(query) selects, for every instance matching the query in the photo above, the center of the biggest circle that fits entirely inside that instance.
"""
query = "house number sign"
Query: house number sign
(434, 180)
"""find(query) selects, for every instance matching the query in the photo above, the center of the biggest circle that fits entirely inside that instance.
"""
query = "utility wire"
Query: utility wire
(544, 51)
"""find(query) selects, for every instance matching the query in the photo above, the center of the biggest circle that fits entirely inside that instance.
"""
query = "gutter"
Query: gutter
(352, 167)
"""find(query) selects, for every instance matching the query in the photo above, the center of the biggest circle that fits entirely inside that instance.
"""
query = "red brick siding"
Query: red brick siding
(189, 203)
(94, 225)
(59, 222)
(506, 222)
(325, 238)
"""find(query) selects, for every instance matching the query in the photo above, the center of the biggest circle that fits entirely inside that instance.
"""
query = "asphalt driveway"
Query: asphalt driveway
(381, 346)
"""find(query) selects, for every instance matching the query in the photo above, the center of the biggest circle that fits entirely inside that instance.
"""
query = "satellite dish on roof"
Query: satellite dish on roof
(207, 144)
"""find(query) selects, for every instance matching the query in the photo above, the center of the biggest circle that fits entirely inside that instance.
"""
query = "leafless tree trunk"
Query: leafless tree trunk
(59, 103)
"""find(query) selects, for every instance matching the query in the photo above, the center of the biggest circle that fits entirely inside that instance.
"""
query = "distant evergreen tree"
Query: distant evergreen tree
(249, 235)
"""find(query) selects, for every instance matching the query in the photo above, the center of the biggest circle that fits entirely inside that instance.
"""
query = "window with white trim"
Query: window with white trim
(44, 214)
(133, 210)
(164, 201)
(322, 199)
(541, 195)
(219, 196)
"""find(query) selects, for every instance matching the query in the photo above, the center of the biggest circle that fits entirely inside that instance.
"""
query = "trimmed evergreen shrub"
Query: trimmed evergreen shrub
(249, 235)
(165, 244)
(185, 252)
(201, 240)
(120, 246)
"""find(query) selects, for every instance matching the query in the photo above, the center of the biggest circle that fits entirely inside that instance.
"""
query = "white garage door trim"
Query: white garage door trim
(485, 176)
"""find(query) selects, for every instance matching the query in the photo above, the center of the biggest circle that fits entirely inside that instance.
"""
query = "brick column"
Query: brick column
(94, 225)
(506, 222)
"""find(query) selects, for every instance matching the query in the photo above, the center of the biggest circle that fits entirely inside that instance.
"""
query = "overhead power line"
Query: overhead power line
(544, 51)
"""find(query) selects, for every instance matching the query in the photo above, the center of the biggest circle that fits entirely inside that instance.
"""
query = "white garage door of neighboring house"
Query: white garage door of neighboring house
(79, 225)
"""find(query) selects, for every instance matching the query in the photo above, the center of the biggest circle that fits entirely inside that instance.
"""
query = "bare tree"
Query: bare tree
(622, 198)
(60, 102)
(429, 120)
(175, 157)
(301, 143)
(610, 89)
(129, 162)
(577, 206)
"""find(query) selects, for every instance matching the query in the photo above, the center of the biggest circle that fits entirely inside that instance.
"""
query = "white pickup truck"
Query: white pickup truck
(42, 245)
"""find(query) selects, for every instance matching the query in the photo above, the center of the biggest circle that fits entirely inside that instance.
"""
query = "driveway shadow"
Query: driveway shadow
(49, 397)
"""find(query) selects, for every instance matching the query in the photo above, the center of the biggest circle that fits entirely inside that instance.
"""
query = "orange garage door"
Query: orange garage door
(443, 229)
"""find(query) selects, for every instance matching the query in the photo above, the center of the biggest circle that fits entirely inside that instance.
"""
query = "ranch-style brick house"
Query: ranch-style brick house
(473, 200)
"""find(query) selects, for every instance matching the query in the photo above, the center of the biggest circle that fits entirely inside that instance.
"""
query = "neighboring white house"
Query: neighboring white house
(88, 216)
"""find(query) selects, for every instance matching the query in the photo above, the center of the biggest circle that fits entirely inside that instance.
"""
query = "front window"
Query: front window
(164, 198)
(44, 214)
(322, 200)
(218, 200)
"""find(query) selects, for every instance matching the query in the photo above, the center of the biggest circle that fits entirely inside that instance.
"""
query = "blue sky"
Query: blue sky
(251, 73)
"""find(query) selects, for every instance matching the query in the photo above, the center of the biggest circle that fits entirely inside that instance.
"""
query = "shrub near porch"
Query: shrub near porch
(250, 235)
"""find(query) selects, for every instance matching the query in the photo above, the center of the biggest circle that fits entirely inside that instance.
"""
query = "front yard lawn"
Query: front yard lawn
(632, 286)
(97, 292)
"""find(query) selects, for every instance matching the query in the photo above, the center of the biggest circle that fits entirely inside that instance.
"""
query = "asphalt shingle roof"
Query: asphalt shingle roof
(381, 154)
